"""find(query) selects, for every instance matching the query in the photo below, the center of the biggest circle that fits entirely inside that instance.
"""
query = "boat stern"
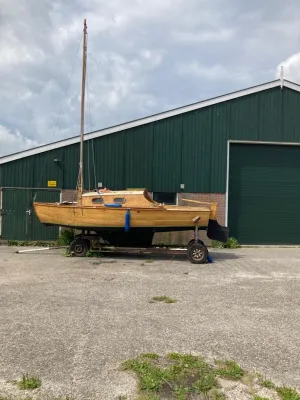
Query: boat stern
(215, 231)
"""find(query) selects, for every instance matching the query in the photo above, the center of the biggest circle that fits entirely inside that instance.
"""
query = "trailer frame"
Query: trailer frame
(195, 250)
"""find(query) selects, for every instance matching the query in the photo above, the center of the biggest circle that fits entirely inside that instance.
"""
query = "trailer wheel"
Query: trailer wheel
(197, 253)
(193, 241)
(79, 247)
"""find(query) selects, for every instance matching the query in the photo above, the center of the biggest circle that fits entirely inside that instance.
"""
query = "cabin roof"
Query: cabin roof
(153, 118)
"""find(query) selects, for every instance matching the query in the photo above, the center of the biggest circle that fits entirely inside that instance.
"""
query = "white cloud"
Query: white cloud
(212, 73)
(153, 57)
(143, 57)
(13, 142)
(221, 35)
(291, 68)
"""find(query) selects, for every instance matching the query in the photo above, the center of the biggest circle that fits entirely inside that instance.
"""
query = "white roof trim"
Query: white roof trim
(153, 118)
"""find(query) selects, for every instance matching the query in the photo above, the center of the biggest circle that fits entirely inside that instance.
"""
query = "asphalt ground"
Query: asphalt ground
(73, 321)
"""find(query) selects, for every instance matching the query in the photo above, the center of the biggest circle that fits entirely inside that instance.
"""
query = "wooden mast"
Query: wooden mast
(80, 177)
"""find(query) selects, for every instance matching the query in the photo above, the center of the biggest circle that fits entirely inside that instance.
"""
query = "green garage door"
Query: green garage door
(19, 221)
(264, 194)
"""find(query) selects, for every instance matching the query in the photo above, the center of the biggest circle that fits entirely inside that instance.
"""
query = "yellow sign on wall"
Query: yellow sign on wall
(51, 183)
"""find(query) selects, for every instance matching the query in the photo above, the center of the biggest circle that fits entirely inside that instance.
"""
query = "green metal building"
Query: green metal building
(241, 150)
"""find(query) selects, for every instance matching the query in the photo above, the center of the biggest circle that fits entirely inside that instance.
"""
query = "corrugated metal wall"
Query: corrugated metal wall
(190, 148)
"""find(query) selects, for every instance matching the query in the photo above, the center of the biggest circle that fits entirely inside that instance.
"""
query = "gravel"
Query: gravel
(72, 321)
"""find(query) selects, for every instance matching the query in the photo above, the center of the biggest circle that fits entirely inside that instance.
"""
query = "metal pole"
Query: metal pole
(84, 50)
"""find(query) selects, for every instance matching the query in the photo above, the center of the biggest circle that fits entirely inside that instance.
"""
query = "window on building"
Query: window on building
(165, 198)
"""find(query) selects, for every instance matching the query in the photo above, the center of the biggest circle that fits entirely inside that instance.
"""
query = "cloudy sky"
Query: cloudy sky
(143, 57)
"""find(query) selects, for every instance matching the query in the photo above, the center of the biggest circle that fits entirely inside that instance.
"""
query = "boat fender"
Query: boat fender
(113, 205)
(127, 221)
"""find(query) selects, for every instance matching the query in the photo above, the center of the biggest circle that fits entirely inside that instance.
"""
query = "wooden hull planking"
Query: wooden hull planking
(105, 217)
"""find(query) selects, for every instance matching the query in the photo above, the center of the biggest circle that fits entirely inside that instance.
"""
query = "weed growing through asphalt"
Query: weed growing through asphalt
(287, 393)
(66, 237)
(29, 382)
(10, 398)
(267, 384)
(95, 254)
(231, 243)
(164, 299)
(229, 369)
(186, 377)
(174, 377)
(151, 356)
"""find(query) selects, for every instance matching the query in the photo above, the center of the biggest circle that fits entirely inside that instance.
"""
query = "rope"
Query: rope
(34, 197)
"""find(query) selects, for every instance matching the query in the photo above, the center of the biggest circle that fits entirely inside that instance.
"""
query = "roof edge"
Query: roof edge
(149, 119)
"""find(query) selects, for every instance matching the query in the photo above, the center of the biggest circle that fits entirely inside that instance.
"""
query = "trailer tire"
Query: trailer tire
(79, 247)
(193, 241)
(197, 253)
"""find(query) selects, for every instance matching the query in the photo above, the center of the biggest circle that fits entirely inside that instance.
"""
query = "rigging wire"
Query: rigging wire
(89, 172)
(39, 182)
(94, 163)
(60, 108)
(91, 127)
(88, 142)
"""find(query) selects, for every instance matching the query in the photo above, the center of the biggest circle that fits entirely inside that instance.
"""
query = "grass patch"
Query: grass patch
(10, 398)
(267, 384)
(66, 237)
(151, 356)
(164, 299)
(89, 254)
(261, 398)
(229, 369)
(231, 243)
(24, 243)
(94, 254)
(29, 382)
(175, 376)
(286, 393)
(187, 377)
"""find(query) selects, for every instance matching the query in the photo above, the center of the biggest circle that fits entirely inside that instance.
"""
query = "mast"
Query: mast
(84, 50)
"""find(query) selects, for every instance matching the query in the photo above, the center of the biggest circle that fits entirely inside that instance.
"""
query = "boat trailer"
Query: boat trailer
(196, 250)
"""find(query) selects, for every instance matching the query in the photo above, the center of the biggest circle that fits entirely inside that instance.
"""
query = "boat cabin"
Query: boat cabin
(119, 198)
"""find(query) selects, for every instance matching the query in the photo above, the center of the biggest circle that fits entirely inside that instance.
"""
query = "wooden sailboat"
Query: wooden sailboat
(125, 217)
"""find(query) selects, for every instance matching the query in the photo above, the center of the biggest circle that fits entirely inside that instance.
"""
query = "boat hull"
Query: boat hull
(118, 228)
(98, 218)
